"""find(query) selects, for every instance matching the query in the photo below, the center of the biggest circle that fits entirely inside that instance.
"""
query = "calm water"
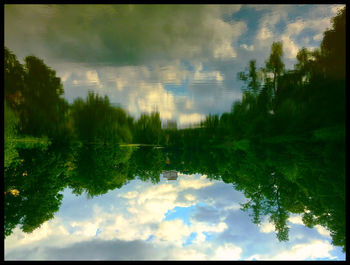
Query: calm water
(240, 111)
(86, 201)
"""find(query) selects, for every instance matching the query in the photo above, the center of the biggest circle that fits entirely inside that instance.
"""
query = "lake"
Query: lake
(78, 202)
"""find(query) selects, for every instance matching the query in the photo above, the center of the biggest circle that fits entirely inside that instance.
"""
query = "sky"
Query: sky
(191, 218)
(181, 60)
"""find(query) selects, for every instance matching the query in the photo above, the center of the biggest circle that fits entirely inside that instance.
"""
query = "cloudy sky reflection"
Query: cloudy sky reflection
(182, 61)
(191, 218)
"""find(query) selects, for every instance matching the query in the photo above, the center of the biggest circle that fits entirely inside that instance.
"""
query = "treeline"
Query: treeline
(277, 101)
(34, 107)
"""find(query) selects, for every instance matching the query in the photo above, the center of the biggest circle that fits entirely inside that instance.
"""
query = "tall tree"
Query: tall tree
(275, 63)
(14, 79)
(251, 77)
(333, 46)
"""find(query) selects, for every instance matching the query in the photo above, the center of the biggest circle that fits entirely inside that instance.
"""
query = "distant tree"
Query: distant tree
(333, 46)
(44, 109)
(98, 168)
(13, 80)
(252, 78)
(275, 63)
(96, 120)
(148, 129)
(10, 134)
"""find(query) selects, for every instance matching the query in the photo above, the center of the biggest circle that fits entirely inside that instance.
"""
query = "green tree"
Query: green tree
(333, 46)
(148, 129)
(96, 120)
(43, 110)
(13, 80)
(38, 179)
(96, 168)
(252, 78)
(275, 64)
(10, 135)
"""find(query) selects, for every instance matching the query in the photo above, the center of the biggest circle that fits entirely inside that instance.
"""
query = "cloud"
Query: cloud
(289, 47)
(267, 227)
(91, 250)
(268, 23)
(318, 37)
(177, 91)
(246, 47)
(315, 249)
(193, 118)
(164, 32)
(174, 231)
(227, 252)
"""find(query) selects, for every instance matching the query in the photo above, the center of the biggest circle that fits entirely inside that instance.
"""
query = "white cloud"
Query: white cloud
(313, 250)
(154, 97)
(295, 28)
(224, 51)
(188, 254)
(246, 47)
(264, 34)
(227, 252)
(193, 118)
(267, 227)
(129, 195)
(92, 77)
(186, 183)
(173, 231)
(190, 197)
(289, 47)
(318, 36)
(229, 33)
(204, 76)
(296, 219)
(267, 24)
(323, 231)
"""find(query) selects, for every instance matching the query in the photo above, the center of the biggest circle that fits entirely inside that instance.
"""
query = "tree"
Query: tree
(148, 129)
(14, 80)
(39, 179)
(98, 168)
(274, 63)
(96, 120)
(333, 46)
(251, 77)
(10, 133)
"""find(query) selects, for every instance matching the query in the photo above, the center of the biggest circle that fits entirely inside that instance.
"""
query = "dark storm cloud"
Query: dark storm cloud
(116, 34)
(90, 250)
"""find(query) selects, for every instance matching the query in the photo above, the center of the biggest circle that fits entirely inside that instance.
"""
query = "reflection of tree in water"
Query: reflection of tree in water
(98, 168)
(38, 179)
(282, 176)
(305, 177)
(148, 163)
(34, 180)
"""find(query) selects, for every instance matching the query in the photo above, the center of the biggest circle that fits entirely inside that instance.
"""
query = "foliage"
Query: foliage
(96, 120)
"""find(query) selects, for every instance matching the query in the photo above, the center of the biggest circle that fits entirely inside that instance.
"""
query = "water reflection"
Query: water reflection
(278, 182)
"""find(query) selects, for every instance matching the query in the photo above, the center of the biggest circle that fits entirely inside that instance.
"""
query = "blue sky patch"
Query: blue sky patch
(150, 238)
(182, 213)
(190, 239)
